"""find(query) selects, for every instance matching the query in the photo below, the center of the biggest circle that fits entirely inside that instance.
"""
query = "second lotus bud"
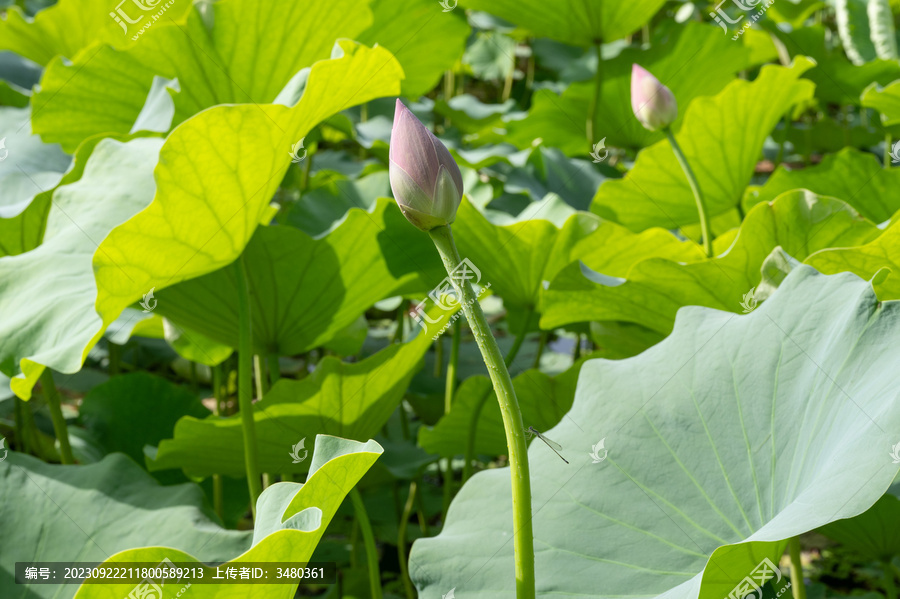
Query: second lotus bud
(424, 177)
(653, 103)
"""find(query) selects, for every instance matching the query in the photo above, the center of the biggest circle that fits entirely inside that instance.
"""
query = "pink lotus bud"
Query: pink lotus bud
(426, 181)
(652, 102)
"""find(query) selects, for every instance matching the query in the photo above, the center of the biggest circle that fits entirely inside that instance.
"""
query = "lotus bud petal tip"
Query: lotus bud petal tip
(424, 177)
(653, 103)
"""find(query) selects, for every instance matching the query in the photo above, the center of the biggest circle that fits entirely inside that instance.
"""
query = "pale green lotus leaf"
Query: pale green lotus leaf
(94, 511)
(696, 460)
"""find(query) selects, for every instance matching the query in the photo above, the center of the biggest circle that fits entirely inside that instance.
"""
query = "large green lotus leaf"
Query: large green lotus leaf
(290, 520)
(544, 401)
(516, 259)
(88, 513)
(27, 166)
(352, 400)
(885, 100)
(722, 138)
(727, 438)
(47, 296)
(865, 261)
(837, 80)
(850, 175)
(693, 61)
(206, 207)
(425, 40)
(874, 534)
(249, 55)
(305, 290)
(67, 27)
(650, 293)
(576, 22)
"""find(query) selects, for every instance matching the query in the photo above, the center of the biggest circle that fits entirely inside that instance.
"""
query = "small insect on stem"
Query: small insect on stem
(556, 447)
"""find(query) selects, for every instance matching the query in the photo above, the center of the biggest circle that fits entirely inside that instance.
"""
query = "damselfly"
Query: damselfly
(556, 447)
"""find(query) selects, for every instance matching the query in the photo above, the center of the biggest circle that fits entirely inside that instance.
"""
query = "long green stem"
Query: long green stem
(369, 541)
(797, 587)
(509, 410)
(887, 150)
(698, 196)
(245, 383)
(452, 366)
(470, 439)
(592, 119)
(218, 491)
(401, 541)
(51, 394)
(517, 344)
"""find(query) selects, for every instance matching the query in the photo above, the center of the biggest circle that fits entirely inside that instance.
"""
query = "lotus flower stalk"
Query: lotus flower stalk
(654, 105)
(428, 187)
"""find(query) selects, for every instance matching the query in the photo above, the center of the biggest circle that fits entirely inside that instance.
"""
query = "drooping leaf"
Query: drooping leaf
(577, 22)
(650, 293)
(850, 175)
(722, 138)
(49, 323)
(249, 56)
(92, 512)
(352, 400)
(291, 518)
(199, 220)
(729, 437)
